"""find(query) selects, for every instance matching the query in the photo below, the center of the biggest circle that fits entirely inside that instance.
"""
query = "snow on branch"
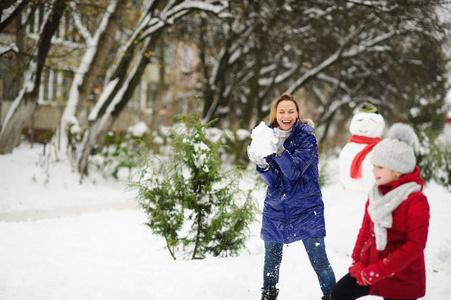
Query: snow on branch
(169, 15)
(197, 5)
(332, 59)
(11, 48)
(10, 13)
(103, 98)
(385, 6)
(82, 29)
(314, 71)
(326, 78)
(370, 46)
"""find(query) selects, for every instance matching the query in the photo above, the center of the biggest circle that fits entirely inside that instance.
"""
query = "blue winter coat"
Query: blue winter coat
(293, 208)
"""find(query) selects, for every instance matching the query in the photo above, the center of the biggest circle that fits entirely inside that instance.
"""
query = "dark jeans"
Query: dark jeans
(316, 251)
(347, 288)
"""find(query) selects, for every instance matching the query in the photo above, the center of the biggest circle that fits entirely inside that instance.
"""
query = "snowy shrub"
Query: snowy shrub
(443, 174)
(195, 205)
(425, 158)
(119, 153)
(74, 137)
(434, 160)
(48, 162)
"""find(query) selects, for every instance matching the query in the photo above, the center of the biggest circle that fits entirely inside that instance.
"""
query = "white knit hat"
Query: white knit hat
(396, 151)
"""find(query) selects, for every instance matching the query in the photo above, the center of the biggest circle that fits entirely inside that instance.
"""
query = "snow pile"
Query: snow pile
(263, 140)
(139, 129)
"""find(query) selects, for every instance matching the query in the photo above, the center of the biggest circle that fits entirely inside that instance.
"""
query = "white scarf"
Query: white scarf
(381, 207)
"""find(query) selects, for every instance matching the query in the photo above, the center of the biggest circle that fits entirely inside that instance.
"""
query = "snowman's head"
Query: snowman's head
(367, 124)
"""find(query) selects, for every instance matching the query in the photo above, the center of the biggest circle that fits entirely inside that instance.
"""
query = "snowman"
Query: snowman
(366, 128)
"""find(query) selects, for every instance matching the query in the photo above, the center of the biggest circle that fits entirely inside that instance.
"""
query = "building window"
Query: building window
(55, 85)
(37, 19)
(186, 58)
(66, 30)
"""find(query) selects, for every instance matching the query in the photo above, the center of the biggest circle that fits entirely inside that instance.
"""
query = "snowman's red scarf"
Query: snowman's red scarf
(356, 165)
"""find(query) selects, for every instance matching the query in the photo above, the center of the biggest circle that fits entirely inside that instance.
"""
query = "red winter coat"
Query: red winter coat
(406, 241)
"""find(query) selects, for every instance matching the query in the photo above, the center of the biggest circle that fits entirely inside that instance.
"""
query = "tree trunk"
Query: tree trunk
(127, 73)
(158, 101)
(26, 102)
(90, 67)
(248, 112)
(105, 43)
(20, 112)
(5, 4)
(109, 112)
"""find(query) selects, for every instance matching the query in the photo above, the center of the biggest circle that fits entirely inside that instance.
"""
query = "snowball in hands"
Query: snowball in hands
(264, 141)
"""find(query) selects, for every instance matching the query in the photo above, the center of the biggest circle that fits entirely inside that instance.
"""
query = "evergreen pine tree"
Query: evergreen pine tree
(195, 205)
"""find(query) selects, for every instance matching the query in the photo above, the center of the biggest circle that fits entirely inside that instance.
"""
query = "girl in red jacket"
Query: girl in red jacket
(388, 257)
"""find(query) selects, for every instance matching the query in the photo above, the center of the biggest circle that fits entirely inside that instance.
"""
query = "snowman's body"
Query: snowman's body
(366, 129)
(347, 154)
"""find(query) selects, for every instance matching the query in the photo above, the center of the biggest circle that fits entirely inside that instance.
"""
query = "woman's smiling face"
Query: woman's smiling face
(286, 114)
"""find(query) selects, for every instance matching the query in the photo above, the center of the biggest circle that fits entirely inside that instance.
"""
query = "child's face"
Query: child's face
(383, 175)
(286, 114)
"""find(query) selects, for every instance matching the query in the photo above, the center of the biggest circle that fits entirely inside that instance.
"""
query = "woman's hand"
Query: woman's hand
(259, 160)
(278, 145)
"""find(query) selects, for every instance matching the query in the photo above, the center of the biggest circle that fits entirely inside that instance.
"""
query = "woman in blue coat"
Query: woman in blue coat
(293, 208)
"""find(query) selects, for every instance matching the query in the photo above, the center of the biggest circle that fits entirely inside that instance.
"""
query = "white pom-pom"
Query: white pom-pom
(403, 133)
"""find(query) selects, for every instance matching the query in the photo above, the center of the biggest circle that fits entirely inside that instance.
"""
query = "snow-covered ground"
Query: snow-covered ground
(65, 240)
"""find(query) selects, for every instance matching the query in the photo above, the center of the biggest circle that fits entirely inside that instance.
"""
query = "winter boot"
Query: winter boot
(270, 294)
(326, 297)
